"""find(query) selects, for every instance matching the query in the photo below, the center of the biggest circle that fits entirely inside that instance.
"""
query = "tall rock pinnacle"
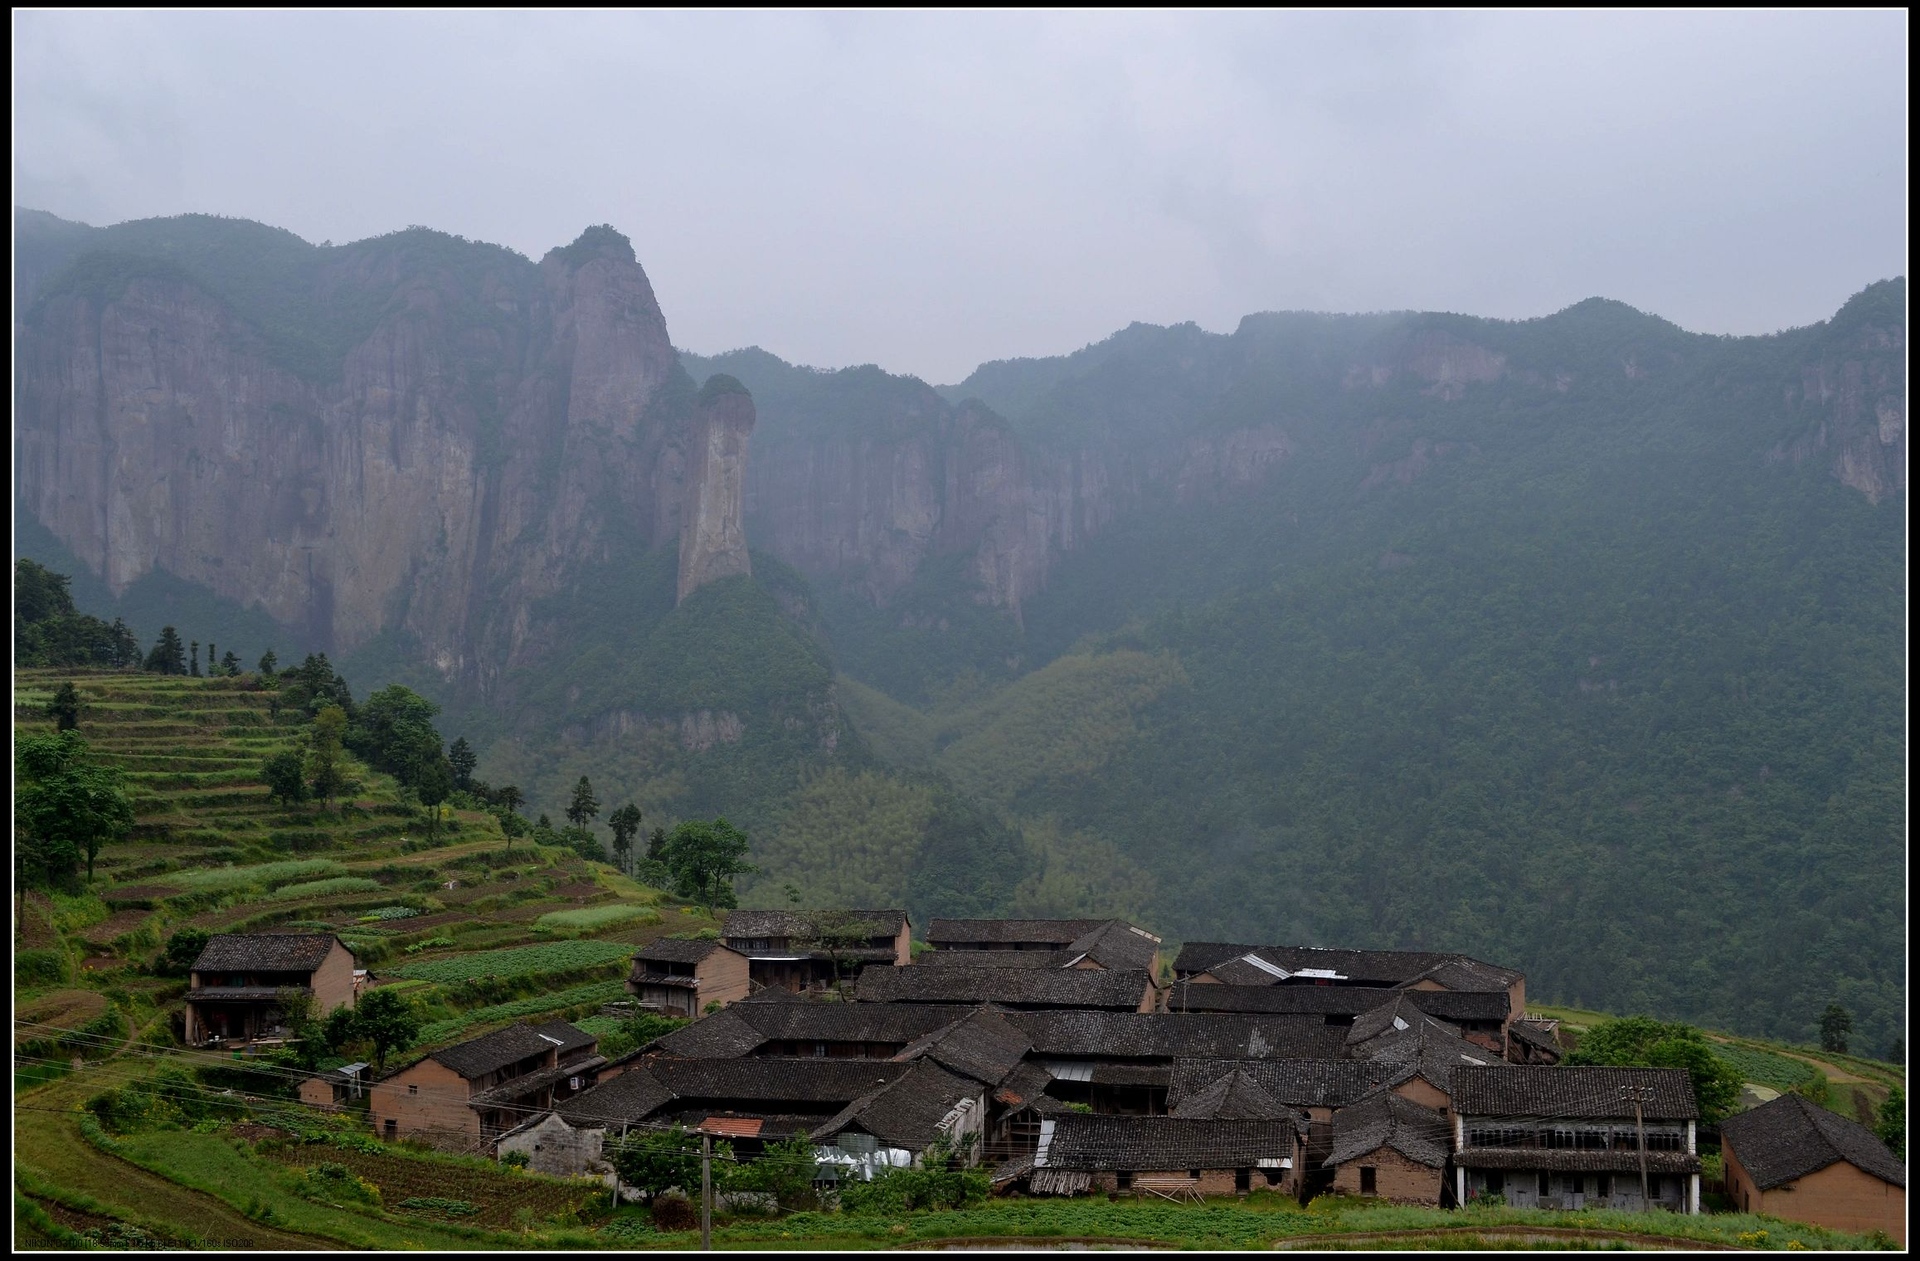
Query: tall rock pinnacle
(713, 539)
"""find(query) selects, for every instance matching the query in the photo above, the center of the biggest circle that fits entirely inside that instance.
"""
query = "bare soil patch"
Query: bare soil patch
(63, 1009)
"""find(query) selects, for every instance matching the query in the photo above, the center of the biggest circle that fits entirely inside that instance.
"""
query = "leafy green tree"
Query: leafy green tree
(394, 732)
(1891, 1122)
(324, 745)
(654, 1161)
(312, 685)
(463, 760)
(66, 805)
(1640, 1041)
(584, 806)
(49, 632)
(1835, 1025)
(510, 799)
(169, 655)
(307, 1034)
(703, 858)
(340, 1030)
(230, 665)
(387, 1021)
(657, 846)
(268, 663)
(785, 1170)
(194, 668)
(64, 708)
(285, 776)
(182, 949)
(625, 822)
(435, 785)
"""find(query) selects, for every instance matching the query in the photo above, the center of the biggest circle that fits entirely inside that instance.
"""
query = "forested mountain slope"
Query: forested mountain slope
(1574, 642)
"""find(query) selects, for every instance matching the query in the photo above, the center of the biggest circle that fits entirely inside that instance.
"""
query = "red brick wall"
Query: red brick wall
(1396, 1178)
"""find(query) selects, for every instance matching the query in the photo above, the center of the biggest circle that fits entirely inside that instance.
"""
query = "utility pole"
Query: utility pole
(1637, 1096)
(706, 1192)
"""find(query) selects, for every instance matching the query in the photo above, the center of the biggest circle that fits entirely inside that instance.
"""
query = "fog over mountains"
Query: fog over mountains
(1575, 641)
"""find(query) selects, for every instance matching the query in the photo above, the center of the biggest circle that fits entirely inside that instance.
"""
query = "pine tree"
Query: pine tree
(462, 759)
(267, 663)
(64, 708)
(169, 655)
(213, 662)
(1835, 1025)
(194, 669)
(582, 810)
(230, 665)
(625, 823)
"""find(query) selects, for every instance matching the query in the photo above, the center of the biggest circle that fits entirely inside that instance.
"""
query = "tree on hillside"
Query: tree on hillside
(393, 731)
(582, 809)
(703, 859)
(182, 949)
(461, 757)
(1891, 1122)
(49, 632)
(64, 708)
(435, 785)
(1639, 1041)
(657, 846)
(284, 774)
(653, 1161)
(323, 753)
(169, 655)
(625, 823)
(510, 799)
(194, 667)
(213, 661)
(268, 663)
(1835, 1025)
(230, 665)
(312, 685)
(388, 1021)
(65, 805)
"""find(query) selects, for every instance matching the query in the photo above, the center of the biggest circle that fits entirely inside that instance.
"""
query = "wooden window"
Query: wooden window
(1368, 1183)
(412, 1089)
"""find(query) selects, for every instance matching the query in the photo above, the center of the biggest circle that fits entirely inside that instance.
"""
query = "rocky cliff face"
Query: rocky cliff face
(495, 427)
(713, 536)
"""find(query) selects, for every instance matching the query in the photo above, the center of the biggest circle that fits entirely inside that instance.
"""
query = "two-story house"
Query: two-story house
(799, 950)
(1582, 1137)
(683, 978)
(238, 987)
(474, 1091)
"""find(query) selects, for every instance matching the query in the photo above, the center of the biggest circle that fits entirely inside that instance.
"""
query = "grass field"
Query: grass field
(477, 934)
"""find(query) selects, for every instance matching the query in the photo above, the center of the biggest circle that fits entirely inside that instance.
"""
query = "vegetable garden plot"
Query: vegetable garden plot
(551, 957)
(496, 1197)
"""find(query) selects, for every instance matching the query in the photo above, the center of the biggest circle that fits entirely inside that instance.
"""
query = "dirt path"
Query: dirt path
(47, 1140)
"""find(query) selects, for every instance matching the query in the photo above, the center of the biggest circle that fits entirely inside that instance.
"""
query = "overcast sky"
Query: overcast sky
(928, 191)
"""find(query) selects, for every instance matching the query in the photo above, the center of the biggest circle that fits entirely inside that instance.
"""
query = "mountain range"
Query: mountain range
(1574, 642)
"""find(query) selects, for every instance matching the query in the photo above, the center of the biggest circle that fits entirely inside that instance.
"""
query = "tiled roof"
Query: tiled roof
(984, 1047)
(676, 950)
(1235, 1096)
(241, 993)
(1115, 989)
(1198, 956)
(1398, 1013)
(1585, 1091)
(1025, 1087)
(1333, 1000)
(1058, 932)
(764, 1080)
(494, 1051)
(1114, 944)
(992, 959)
(1153, 1144)
(906, 1112)
(665, 978)
(1572, 1160)
(1429, 1047)
(807, 924)
(1316, 1083)
(627, 1099)
(1162, 1035)
(1533, 1035)
(1386, 1120)
(1790, 1138)
(722, 1035)
(265, 952)
(850, 1022)
(1461, 973)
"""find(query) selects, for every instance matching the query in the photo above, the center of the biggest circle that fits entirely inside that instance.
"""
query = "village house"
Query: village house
(1568, 1138)
(335, 1088)
(1119, 989)
(1390, 1147)
(1794, 1159)
(774, 1023)
(1482, 1016)
(681, 978)
(800, 950)
(1103, 944)
(467, 1095)
(239, 984)
(1224, 963)
(1174, 1158)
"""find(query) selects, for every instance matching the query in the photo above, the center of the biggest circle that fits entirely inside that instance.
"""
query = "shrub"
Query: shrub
(41, 967)
(936, 1184)
(516, 1160)
(333, 1183)
(674, 1212)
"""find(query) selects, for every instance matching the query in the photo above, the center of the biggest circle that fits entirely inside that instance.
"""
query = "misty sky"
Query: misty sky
(928, 191)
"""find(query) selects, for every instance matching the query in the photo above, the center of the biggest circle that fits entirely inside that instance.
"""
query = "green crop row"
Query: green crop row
(557, 956)
(578, 996)
(591, 917)
(263, 875)
(325, 888)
